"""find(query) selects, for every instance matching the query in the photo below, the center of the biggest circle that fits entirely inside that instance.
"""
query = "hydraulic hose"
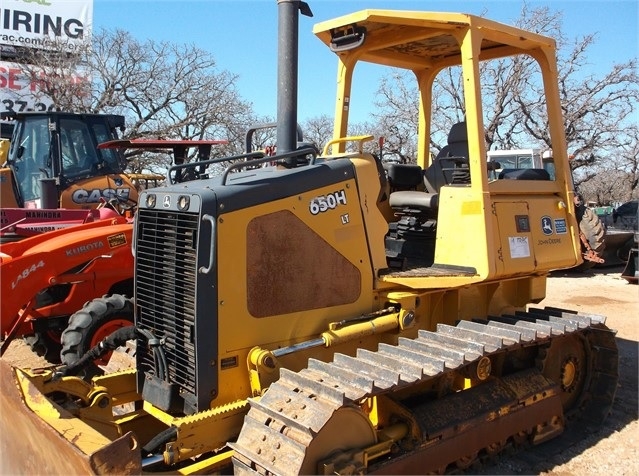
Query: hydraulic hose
(160, 439)
(108, 344)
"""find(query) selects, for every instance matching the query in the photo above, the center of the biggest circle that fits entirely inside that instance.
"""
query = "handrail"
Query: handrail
(204, 163)
(274, 158)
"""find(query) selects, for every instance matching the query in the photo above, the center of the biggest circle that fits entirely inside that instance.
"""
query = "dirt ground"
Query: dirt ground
(614, 447)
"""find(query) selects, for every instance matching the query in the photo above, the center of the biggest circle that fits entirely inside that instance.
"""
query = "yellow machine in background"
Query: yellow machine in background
(324, 317)
(4, 150)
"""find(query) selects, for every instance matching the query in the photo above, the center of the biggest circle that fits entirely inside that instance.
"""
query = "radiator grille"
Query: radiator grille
(166, 266)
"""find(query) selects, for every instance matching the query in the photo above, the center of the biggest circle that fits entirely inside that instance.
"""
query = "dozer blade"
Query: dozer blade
(30, 445)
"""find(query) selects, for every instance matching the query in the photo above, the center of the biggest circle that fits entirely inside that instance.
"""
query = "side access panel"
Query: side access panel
(516, 252)
(535, 235)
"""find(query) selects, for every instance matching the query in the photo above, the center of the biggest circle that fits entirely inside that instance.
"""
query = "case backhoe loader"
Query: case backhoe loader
(53, 161)
(321, 317)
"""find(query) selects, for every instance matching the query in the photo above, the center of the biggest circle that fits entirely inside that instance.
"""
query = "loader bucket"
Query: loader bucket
(631, 271)
(618, 243)
(29, 444)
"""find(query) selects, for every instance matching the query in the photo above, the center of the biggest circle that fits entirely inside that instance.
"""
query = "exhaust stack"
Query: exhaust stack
(287, 65)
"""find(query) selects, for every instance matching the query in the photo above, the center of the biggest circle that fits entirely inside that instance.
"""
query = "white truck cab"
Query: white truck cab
(523, 159)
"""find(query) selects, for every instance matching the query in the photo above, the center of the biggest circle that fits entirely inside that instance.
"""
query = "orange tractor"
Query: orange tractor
(47, 277)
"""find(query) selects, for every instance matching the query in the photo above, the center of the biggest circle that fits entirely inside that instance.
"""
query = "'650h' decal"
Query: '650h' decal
(327, 202)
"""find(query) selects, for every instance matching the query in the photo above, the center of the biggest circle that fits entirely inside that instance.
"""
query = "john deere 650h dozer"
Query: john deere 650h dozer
(319, 317)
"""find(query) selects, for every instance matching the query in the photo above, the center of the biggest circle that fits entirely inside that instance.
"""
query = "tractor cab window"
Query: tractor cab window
(77, 150)
(30, 157)
(110, 157)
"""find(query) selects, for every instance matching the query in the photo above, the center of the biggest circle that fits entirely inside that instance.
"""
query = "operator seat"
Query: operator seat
(412, 236)
(407, 191)
(451, 164)
(449, 167)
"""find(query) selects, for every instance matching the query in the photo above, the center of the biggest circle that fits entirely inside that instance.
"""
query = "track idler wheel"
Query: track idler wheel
(348, 429)
(285, 445)
(565, 362)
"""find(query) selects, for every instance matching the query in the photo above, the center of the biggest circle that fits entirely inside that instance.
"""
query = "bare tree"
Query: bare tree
(599, 111)
(399, 121)
(617, 183)
(318, 130)
(164, 90)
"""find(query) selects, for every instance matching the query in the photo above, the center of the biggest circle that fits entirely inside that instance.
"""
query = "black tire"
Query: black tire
(90, 323)
(43, 345)
(590, 225)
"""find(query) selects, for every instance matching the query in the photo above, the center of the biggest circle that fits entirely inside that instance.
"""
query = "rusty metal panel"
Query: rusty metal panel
(283, 277)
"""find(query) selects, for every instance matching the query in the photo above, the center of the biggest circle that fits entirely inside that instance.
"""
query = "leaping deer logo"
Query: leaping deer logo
(546, 225)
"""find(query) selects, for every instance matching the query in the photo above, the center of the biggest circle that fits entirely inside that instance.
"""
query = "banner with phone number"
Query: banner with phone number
(20, 91)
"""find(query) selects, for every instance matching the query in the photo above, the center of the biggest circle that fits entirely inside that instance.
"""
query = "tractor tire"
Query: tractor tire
(44, 345)
(590, 225)
(91, 324)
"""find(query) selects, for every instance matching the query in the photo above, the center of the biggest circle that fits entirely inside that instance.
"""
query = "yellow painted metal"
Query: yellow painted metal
(4, 150)
(215, 464)
(96, 426)
(360, 140)
(379, 325)
(205, 431)
(375, 222)
(7, 194)
(86, 438)
(425, 43)
(288, 310)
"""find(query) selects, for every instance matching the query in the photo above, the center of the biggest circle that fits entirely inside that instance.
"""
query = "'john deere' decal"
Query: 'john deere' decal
(546, 225)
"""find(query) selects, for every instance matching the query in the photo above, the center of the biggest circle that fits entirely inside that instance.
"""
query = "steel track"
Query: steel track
(282, 425)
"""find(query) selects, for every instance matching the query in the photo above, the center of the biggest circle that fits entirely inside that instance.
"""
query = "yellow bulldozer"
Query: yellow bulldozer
(310, 313)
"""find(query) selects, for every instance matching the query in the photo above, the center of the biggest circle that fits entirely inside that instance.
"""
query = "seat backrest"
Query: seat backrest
(434, 177)
(458, 141)
(404, 176)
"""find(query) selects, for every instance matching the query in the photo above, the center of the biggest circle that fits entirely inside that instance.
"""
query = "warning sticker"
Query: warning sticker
(519, 247)
(117, 240)
(560, 226)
